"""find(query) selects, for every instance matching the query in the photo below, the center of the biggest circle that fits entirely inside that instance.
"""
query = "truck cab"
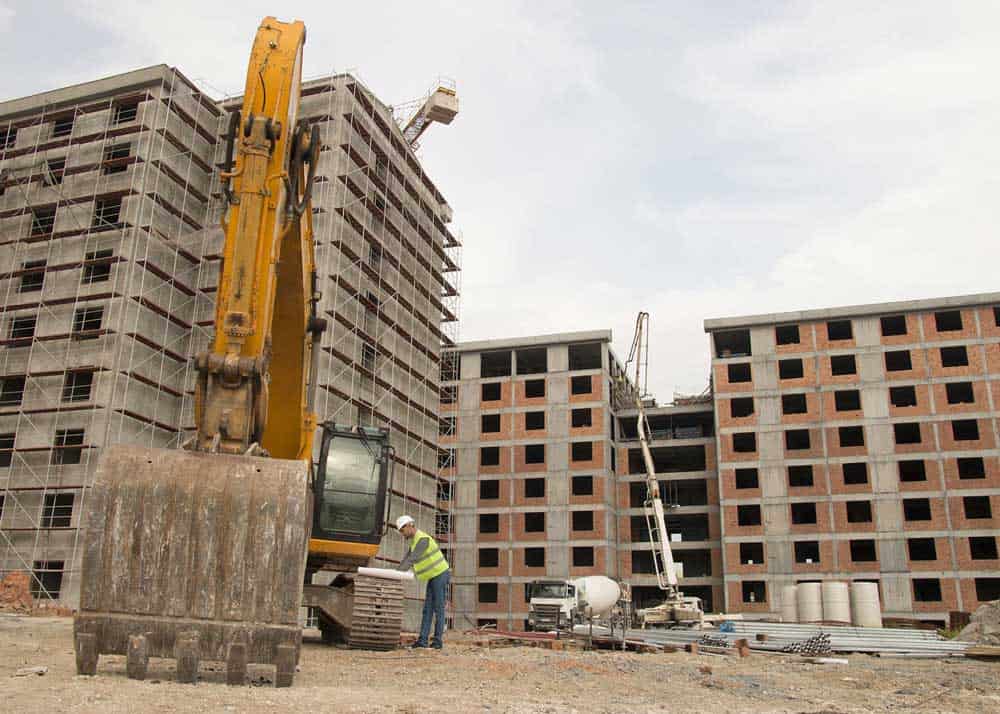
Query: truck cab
(552, 604)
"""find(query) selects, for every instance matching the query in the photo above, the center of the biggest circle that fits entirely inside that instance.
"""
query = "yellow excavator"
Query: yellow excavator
(202, 553)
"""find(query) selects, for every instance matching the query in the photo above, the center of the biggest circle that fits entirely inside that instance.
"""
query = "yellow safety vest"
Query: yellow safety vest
(432, 563)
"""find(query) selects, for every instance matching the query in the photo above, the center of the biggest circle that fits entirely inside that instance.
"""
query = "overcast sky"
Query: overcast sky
(692, 159)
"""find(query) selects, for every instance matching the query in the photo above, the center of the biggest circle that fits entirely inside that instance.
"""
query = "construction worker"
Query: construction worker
(429, 565)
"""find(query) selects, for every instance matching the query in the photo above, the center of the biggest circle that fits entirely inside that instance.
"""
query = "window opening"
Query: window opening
(790, 369)
(959, 393)
(807, 551)
(903, 396)
(921, 549)
(489, 557)
(863, 551)
(741, 407)
(534, 488)
(581, 418)
(751, 553)
(739, 372)
(745, 442)
(954, 356)
(843, 364)
(912, 470)
(837, 330)
(489, 456)
(800, 476)
(803, 513)
(848, 400)
(534, 454)
(534, 522)
(858, 511)
(916, 509)
(948, 321)
(748, 515)
(582, 451)
(893, 325)
(495, 364)
(797, 439)
(855, 473)
(851, 436)
(747, 478)
(583, 520)
(583, 486)
(489, 423)
(971, 467)
(534, 388)
(786, 334)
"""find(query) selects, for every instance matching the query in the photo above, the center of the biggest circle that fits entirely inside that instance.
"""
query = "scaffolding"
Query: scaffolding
(96, 191)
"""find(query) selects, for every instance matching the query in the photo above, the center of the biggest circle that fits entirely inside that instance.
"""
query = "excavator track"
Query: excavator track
(377, 616)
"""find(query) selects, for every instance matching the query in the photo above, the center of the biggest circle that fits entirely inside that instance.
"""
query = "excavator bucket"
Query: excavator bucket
(193, 556)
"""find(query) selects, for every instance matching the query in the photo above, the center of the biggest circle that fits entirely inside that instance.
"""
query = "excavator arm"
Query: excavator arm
(203, 553)
(266, 326)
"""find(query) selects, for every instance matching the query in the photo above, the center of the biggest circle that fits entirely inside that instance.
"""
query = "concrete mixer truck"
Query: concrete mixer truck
(560, 604)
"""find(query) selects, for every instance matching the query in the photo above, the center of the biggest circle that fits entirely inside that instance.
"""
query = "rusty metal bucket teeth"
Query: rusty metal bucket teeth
(202, 555)
(377, 615)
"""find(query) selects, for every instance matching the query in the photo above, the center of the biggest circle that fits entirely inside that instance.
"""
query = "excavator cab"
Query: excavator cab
(351, 483)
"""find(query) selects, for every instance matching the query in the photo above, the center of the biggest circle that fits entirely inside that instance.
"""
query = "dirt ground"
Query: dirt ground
(466, 678)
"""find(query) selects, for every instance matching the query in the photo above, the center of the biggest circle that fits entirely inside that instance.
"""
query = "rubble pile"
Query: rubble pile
(984, 627)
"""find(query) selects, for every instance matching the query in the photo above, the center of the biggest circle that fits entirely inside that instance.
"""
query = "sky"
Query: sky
(694, 160)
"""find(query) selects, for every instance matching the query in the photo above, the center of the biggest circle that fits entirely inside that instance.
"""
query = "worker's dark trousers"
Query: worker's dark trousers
(434, 598)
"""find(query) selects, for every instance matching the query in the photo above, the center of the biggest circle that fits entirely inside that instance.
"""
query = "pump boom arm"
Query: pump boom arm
(663, 558)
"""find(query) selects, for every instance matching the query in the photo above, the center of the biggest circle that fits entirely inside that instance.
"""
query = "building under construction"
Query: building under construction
(109, 202)
(528, 442)
(846, 444)
(860, 444)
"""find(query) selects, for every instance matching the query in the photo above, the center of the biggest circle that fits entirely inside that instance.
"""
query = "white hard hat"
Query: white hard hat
(403, 521)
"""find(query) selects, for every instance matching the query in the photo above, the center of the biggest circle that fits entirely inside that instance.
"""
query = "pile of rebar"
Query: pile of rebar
(814, 646)
(777, 636)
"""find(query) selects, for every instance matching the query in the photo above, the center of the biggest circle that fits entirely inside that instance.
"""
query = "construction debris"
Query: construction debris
(984, 627)
(15, 593)
(26, 671)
